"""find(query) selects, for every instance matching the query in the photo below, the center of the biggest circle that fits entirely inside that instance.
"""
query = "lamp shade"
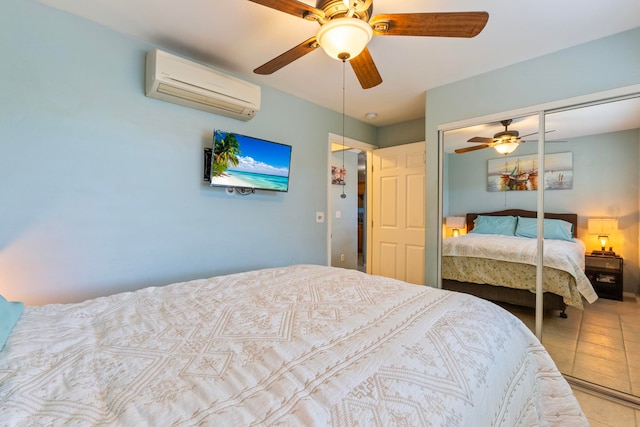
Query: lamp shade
(344, 38)
(602, 226)
(454, 222)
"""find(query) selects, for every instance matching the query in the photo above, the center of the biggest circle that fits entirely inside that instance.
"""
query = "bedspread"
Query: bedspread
(560, 255)
(300, 345)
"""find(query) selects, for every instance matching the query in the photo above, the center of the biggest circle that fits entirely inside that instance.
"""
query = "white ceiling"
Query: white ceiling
(239, 35)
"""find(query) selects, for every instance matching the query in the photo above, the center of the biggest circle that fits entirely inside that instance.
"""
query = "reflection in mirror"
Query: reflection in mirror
(591, 170)
(599, 345)
(491, 169)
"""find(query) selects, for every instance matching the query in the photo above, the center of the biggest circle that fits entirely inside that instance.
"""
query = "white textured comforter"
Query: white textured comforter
(558, 254)
(304, 345)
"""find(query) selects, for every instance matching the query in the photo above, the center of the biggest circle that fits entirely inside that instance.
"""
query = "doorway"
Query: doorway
(347, 202)
(362, 211)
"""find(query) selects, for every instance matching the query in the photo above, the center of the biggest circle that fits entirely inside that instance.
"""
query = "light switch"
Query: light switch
(319, 216)
(338, 214)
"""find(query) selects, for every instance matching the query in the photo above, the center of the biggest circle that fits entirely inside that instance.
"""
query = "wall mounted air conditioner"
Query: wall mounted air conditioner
(178, 80)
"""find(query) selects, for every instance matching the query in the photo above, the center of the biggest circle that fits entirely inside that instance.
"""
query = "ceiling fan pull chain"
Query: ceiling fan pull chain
(505, 185)
(344, 65)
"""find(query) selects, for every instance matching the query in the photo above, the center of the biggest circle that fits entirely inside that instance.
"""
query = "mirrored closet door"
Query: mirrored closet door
(600, 344)
(589, 179)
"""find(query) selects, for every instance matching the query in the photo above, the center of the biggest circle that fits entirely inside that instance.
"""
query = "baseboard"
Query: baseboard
(631, 296)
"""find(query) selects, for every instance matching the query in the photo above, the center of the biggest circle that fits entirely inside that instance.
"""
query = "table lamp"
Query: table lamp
(603, 228)
(455, 223)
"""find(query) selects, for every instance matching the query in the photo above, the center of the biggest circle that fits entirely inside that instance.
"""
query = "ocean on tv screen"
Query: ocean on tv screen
(260, 164)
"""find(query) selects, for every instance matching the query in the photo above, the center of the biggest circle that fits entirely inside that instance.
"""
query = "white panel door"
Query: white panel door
(398, 212)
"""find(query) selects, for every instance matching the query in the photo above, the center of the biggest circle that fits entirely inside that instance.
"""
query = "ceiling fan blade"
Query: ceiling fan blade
(474, 148)
(288, 57)
(481, 139)
(529, 134)
(366, 70)
(291, 7)
(547, 141)
(448, 24)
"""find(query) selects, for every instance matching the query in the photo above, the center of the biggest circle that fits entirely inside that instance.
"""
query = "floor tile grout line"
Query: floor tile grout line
(626, 358)
(613, 311)
(575, 353)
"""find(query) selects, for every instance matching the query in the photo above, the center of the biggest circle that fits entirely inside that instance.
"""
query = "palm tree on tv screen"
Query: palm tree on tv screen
(226, 149)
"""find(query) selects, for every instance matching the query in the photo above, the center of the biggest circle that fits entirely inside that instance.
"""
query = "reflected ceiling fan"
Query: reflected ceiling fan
(504, 142)
(347, 26)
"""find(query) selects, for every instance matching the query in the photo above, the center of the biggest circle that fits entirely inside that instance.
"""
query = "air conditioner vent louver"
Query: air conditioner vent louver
(180, 81)
(201, 99)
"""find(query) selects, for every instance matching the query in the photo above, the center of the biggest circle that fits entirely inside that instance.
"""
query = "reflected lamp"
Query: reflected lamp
(506, 147)
(455, 223)
(603, 228)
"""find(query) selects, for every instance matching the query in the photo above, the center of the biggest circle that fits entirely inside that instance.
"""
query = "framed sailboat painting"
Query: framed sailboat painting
(520, 173)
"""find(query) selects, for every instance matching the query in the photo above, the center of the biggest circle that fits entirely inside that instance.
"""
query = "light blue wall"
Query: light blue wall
(102, 187)
(401, 133)
(600, 65)
(605, 182)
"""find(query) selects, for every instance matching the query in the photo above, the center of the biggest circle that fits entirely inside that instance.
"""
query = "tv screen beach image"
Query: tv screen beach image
(248, 162)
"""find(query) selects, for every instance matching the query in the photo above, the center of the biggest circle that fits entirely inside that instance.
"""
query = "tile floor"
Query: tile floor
(604, 413)
(601, 345)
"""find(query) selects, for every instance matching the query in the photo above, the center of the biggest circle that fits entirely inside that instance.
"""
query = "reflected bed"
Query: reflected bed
(502, 267)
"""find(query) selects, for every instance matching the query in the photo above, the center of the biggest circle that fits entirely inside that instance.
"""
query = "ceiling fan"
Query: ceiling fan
(504, 142)
(347, 26)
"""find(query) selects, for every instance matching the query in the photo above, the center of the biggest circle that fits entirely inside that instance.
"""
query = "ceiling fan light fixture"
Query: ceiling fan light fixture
(506, 147)
(344, 38)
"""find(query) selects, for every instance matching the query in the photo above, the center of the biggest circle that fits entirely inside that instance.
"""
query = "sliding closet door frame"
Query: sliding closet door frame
(539, 265)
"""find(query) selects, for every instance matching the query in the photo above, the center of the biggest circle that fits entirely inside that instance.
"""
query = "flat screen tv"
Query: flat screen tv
(241, 161)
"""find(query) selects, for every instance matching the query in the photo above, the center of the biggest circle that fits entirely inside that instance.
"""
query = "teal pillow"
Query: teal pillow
(485, 224)
(553, 228)
(9, 314)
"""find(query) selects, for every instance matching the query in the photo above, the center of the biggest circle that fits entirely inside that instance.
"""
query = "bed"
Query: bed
(290, 346)
(502, 267)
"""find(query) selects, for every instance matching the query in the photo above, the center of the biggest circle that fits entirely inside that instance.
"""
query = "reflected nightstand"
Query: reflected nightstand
(605, 274)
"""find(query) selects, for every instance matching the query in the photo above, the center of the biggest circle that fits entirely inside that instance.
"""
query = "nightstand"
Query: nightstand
(605, 274)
